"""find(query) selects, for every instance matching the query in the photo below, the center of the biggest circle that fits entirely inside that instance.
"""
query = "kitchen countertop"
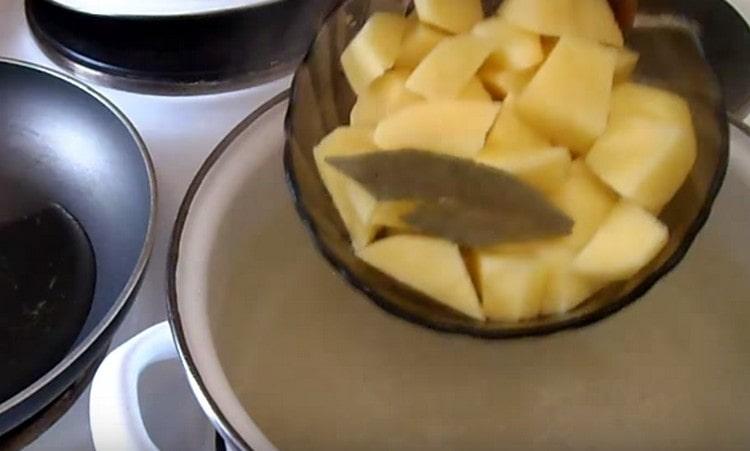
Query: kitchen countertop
(179, 132)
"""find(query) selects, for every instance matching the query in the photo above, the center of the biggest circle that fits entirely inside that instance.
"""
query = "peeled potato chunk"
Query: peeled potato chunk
(587, 201)
(446, 71)
(429, 265)
(638, 100)
(513, 48)
(589, 19)
(450, 15)
(569, 97)
(625, 64)
(645, 160)
(419, 40)
(503, 82)
(510, 132)
(353, 202)
(475, 91)
(566, 289)
(456, 127)
(383, 97)
(374, 50)
(512, 287)
(544, 169)
(628, 240)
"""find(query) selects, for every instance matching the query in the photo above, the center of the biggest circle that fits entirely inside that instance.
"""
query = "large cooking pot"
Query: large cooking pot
(281, 353)
(77, 197)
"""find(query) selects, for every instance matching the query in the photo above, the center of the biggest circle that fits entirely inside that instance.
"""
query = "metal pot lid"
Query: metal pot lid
(178, 55)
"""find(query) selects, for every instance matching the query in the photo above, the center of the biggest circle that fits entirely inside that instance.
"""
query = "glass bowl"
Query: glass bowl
(321, 100)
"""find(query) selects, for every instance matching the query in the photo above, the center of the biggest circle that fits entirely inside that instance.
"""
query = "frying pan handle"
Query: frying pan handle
(115, 414)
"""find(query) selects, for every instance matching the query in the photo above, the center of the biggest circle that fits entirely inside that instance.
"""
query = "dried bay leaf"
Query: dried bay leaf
(469, 203)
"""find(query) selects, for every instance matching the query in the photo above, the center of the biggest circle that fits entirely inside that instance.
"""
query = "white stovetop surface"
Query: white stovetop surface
(179, 132)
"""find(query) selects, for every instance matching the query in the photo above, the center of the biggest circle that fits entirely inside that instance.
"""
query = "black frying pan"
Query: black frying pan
(77, 202)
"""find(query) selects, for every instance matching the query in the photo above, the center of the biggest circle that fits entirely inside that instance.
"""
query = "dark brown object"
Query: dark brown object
(465, 202)
(47, 275)
(625, 12)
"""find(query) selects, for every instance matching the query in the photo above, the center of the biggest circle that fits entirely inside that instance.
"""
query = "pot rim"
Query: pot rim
(197, 383)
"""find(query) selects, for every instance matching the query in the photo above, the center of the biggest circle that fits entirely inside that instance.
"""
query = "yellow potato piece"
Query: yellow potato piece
(625, 65)
(353, 202)
(510, 132)
(385, 96)
(637, 100)
(446, 71)
(568, 99)
(645, 160)
(475, 91)
(419, 40)
(512, 287)
(566, 289)
(587, 201)
(450, 15)
(373, 50)
(429, 265)
(513, 48)
(589, 19)
(544, 169)
(628, 240)
(502, 83)
(454, 127)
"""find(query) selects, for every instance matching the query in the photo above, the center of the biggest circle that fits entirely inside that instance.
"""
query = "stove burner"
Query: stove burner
(178, 55)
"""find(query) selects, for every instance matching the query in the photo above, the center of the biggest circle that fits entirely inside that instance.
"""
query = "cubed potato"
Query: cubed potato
(419, 40)
(383, 97)
(502, 83)
(544, 169)
(645, 160)
(475, 91)
(353, 202)
(513, 48)
(448, 69)
(512, 287)
(569, 97)
(587, 201)
(625, 65)
(628, 240)
(455, 127)
(429, 265)
(373, 50)
(510, 132)
(566, 289)
(589, 19)
(450, 15)
(638, 100)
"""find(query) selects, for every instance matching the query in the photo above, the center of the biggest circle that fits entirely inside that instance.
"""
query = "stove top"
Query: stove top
(179, 132)
(178, 55)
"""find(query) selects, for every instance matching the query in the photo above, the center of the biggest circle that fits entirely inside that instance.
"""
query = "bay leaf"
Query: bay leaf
(469, 203)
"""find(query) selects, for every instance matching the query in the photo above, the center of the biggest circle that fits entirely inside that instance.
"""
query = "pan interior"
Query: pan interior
(47, 274)
(69, 157)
